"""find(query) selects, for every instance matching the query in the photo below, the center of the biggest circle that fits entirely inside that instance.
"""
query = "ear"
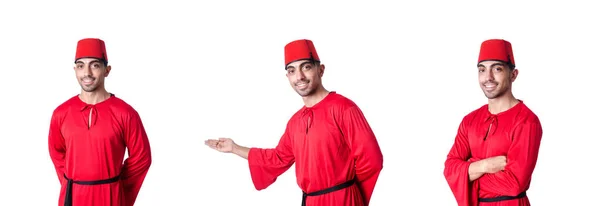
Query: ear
(108, 68)
(321, 70)
(514, 74)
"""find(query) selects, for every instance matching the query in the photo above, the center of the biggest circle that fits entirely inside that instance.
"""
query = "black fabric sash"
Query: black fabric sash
(502, 198)
(328, 190)
(69, 190)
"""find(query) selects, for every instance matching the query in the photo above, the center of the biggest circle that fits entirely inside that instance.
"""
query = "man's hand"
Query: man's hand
(494, 164)
(488, 165)
(225, 145)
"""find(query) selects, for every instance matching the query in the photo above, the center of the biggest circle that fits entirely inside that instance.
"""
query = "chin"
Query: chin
(492, 95)
(88, 89)
(305, 93)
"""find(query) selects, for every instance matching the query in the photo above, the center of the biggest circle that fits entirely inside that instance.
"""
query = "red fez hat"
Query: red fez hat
(302, 49)
(498, 50)
(91, 48)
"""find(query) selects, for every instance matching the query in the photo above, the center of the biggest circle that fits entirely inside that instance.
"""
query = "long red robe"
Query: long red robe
(97, 152)
(515, 133)
(330, 143)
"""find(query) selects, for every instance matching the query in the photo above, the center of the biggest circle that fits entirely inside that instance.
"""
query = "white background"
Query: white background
(208, 70)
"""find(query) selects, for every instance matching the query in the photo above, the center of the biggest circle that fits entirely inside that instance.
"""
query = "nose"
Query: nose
(489, 75)
(300, 76)
(87, 70)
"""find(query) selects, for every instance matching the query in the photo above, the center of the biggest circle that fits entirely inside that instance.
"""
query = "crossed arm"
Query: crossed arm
(508, 175)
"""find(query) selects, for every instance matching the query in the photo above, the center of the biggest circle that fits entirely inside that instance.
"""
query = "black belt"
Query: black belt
(328, 190)
(69, 191)
(502, 198)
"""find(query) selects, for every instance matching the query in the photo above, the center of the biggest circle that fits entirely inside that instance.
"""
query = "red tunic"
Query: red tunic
(330, 143)
(96, 152)
(515, 133)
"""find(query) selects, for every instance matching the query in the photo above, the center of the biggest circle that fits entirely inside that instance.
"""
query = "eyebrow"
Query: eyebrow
(493, 65)
(305, 63)
(93, 61)
(301, 65)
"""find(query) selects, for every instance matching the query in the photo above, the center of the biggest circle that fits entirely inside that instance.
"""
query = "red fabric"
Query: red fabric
(516, 134)
(300, 50)
(496, 49)
(330, 143)
(97, 153)
(91, 48)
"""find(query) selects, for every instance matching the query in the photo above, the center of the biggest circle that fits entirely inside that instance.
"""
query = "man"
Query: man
(338, 159)
(496, 147)
(89, 134)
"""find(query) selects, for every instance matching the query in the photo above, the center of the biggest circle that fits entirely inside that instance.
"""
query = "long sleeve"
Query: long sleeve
(365, 150)
(56, 145)
(266, 164)
(521, 160)
(137, 164)
(456, 170)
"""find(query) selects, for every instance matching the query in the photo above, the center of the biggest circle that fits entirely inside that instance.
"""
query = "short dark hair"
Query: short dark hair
(510, 66)
(315, 62)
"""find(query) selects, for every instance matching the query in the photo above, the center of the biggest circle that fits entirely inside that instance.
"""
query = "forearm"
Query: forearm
(367, 186)
(137, 165)
(60, 170)
(58, 160)
(267, 164)
(57, 148)
(241, 151)
(369, 164)
(133, 176)
(504, 183)
(476, 170)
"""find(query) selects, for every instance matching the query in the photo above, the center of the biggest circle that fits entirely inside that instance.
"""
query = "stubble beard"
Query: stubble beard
(91, 88)
(307, 92)
(495, 94)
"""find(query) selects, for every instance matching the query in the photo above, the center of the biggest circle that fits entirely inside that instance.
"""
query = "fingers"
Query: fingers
(210, 142)
(217, 144)
(214, 144)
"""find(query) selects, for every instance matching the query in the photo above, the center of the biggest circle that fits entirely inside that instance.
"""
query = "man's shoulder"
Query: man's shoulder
(525, 109)
(476, 112)
(342, 102)
(121, 106)
(527, 115)
(65, 105)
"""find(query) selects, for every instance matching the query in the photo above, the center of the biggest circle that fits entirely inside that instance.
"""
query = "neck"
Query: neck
(502, 104)
(315, 98)
(94, 97)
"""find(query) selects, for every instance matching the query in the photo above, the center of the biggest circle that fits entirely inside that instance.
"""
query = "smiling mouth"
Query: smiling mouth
(490, 86)
(87, 81)
(302, 85)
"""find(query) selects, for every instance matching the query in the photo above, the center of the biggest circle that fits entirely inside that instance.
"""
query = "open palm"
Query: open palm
(221, 144)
